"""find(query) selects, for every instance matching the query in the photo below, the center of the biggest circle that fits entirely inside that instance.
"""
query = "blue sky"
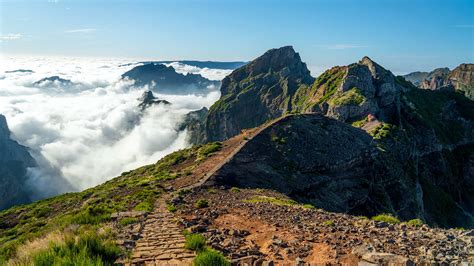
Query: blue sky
(404, 35)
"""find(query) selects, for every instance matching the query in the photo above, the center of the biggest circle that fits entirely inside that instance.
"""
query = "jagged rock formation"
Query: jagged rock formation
(194, 123)
(257, 92)
(148, 99)
(14, 161)
(459, 79)
(414, 127)
(163, 79)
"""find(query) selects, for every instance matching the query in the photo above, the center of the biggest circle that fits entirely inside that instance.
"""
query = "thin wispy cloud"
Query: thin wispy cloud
(10, 37)
(344, 46)
(464, 26)
(85, 30)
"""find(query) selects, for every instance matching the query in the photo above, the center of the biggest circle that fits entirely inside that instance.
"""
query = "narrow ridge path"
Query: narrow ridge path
(161, 240)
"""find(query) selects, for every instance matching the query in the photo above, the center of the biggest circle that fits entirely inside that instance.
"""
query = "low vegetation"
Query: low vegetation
(128, 220)
(210, 257)
(88, 249)
(201, 203)
(195, 242)
(205, 256)
(328, 223)
(132, 190)
(415, 222)
(382, 131)
(350, 97)
(272, 200)
(388, 218)
(171, 208)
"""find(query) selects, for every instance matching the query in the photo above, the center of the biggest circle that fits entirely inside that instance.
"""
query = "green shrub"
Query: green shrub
(328, 223)
(209, 149)
(201, 203)
(350, 97)
(145, 206)
(308, 206)
(272, 200)
(388, 218)
(195, 242)
(128, 220)
(171, 207)
(88, 249)
(415, 222)
(92, 215)
(210, 257)
(235, 190)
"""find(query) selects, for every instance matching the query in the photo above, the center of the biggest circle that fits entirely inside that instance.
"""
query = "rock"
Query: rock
(148, 99)
(386, 258)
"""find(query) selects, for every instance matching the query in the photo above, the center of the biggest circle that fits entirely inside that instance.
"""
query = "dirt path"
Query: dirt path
(161, 241)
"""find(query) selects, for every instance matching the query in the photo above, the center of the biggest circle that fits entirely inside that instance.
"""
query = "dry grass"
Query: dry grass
(25, 251)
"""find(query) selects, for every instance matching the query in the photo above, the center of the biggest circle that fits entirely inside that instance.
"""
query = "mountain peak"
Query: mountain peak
(4, 131)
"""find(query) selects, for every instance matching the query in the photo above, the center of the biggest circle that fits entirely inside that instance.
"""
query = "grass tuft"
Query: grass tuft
(210, 257)
(201, 203)
(195, 242)
(385, 217)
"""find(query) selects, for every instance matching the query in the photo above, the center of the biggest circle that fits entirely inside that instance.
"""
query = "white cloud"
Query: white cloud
(212, 74)
(11, 36)
(93, 131)
(85, 30)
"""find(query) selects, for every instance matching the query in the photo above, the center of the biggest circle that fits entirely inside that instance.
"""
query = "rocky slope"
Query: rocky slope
(163, 79)
(144, 211)
(427, 136)
(459, 79)
(148, 99)
(14, 161)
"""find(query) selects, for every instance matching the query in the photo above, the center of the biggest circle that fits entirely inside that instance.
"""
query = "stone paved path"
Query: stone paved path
(162, 241)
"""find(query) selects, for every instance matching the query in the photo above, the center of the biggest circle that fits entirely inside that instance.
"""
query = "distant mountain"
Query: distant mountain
(20, 71)
(163, 79)
(206, 64)
(459, 79)
(53, 80)
(14, 161)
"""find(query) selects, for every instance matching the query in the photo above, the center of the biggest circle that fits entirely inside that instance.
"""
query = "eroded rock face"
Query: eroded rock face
(14, 160)
(459, 79)
(340, 168)
(257, 92)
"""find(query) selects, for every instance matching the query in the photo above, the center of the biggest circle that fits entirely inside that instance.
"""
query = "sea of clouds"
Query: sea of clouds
(91, 130)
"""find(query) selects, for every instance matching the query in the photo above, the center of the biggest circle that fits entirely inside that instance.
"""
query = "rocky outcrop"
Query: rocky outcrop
(462, 78)
(163, 79)
(340, 168)
(194, 123)
(148, 99)
(14, 161)
(459, 79)
(257, 92)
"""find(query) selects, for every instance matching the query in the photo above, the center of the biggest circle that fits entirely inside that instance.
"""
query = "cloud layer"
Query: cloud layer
(92, 130)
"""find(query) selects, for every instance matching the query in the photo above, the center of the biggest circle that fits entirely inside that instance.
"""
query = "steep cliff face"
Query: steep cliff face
(462, 78)
(14, 160)
(340, 168)
(257, 92)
